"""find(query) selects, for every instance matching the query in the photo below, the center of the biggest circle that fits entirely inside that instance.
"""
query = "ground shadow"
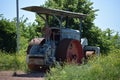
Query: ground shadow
(32, 74)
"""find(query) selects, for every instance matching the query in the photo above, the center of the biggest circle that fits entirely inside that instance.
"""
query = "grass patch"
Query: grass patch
(99, 68)
(13, 61)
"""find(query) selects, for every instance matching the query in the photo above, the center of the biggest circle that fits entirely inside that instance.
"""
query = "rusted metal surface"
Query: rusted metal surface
(89, 54)
(69, 50)
(35, 41)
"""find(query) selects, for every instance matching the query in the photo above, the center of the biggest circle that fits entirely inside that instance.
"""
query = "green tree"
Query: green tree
(28, 31)
(109, 40)
(7, 35)
(95, 36)
(80, 6)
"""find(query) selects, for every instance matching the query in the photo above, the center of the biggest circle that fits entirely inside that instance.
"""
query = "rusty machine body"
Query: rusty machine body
(60, 44)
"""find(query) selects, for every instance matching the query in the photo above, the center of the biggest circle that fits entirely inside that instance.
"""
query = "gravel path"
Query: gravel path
(8, 75)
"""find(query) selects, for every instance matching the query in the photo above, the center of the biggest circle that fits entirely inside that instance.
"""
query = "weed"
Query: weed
(98, 68)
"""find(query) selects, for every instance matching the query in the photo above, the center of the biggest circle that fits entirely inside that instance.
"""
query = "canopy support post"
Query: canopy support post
(80, 29)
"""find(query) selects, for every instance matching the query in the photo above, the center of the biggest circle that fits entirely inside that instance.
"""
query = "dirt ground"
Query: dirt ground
(9, 75)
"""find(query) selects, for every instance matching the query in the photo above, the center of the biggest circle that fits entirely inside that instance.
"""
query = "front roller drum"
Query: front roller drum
(35, 41)
(69, 50)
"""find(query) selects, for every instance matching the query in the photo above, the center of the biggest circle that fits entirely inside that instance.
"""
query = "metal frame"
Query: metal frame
(80, 28)
(44, 10)
(54, 12)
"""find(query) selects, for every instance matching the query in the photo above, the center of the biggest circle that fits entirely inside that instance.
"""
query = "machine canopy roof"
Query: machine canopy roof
(49, 11)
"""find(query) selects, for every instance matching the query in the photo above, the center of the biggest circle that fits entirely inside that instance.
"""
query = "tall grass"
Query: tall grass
(99, 68)
(13, 61)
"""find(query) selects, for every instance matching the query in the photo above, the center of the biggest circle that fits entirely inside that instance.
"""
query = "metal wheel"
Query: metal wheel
(35, 41)
(69, 50)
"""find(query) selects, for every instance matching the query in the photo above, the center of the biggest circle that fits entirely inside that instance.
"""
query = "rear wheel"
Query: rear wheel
(69, 50)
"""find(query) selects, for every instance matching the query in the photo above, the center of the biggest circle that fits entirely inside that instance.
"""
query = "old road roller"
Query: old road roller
(59, 43)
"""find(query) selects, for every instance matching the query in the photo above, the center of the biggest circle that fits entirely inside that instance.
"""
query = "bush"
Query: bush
(99, 68)
(13, 61)
(7, 35)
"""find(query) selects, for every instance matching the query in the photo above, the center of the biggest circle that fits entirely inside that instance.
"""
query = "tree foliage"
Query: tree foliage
(89, 30)
(28, 30)
(80, 6)
(106, 40)
(7, 35)
(96, 37)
